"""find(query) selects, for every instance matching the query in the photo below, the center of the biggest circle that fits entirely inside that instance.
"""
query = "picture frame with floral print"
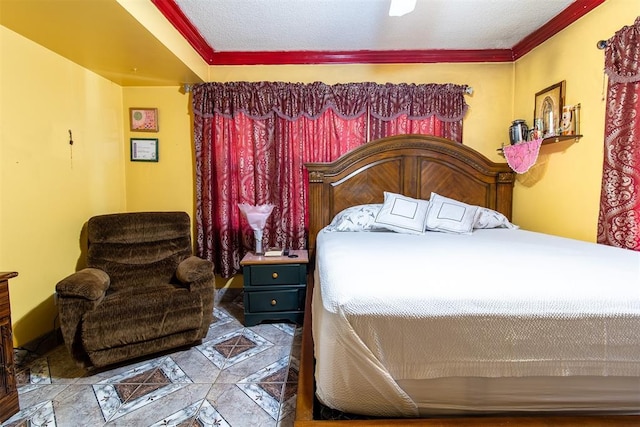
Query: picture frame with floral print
(143, 119)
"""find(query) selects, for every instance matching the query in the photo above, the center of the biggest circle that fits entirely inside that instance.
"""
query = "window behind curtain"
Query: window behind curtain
(252, 140)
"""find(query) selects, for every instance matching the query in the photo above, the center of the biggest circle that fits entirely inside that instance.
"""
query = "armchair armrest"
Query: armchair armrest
(77, 294)
(88, 283)
(194, 269)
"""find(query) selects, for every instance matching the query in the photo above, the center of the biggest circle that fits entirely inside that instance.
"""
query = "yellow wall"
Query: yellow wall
(49, 189)
(561, 195)
(169, 183)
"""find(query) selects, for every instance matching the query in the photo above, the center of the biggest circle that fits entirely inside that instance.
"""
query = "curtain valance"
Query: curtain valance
(292, 101)
(622, 58)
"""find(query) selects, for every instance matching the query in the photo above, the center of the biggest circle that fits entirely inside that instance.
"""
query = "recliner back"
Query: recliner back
(140, 247)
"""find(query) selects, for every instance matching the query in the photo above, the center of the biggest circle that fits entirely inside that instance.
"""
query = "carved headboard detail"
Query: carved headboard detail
(413, 165)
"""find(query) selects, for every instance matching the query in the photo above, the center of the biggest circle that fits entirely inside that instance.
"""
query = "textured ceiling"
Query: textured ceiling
(247, 32)
(337, 25)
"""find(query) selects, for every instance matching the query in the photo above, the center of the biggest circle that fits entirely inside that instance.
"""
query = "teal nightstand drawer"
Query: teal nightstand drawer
(274, 287)
(274, 274)
(285, 300)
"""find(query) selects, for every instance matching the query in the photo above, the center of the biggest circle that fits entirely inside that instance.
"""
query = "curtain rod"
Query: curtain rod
(602, 44)
(186, 87)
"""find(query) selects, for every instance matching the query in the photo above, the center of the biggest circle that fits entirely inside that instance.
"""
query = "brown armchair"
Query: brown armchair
(142, 291)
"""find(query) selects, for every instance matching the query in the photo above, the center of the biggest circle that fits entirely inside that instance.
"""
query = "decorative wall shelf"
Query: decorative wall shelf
(560, 138)
(552, 140)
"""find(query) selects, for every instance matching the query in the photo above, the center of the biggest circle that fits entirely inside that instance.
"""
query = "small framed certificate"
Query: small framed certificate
(144, 149)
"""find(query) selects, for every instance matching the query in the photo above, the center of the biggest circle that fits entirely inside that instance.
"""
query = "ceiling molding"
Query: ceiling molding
(561, 21)
(172, 12)
(361, 57)
(177, 18)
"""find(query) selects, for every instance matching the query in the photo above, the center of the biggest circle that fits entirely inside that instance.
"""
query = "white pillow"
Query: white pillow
(488, 218)
(356, 218)
(402, 214)
(450, 215)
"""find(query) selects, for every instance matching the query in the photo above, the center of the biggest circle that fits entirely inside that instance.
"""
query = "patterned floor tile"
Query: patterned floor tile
(200, 413)
(287, 328)
(266, 387)
(233, 347)
(196, 366)
(177, 406)
(76, 405)
(131, 390)
(221, 317)
(237, 377)
(34, 374)
(236, 373)
(277, 333)
(238, 409)
(41, 414)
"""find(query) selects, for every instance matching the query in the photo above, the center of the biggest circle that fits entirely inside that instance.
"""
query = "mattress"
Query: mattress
(406, 325)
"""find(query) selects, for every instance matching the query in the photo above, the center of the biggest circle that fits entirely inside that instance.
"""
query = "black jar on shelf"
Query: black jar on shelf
(518, 131)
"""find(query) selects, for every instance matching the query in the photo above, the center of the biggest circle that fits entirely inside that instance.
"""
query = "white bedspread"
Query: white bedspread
(392, 308)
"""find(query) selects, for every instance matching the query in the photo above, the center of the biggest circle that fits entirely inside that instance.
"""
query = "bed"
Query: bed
(512, 345)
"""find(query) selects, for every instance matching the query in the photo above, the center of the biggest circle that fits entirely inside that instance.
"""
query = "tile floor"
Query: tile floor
(237, 377)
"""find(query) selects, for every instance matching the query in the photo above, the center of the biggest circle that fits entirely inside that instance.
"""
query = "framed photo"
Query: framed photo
(144, 149)
(548, 109)
(143, 119)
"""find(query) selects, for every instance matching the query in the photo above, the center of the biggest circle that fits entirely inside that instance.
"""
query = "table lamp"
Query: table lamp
(257, 219)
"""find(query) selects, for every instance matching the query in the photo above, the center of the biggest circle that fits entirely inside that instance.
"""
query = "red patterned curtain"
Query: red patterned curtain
(619, 218)
(426, 109)
(252, 140)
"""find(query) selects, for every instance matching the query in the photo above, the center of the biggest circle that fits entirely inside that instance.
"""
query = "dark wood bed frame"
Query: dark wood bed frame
(413, 165)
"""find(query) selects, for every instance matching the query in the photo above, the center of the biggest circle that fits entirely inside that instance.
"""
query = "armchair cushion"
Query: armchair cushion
(88, 283)
(139, 248)
(139, 315)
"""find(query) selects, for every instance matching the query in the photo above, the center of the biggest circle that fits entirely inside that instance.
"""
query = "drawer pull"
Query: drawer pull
(274, 275)
(273, 302)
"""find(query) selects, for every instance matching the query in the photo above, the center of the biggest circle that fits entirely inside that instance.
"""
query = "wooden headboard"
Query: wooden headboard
(413, 165)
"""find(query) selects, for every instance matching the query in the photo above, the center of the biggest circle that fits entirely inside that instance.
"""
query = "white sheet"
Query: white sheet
(392, 308)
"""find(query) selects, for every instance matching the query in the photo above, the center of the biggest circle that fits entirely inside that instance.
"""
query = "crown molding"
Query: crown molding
(361, 57)
(561, 21)
(176, 17)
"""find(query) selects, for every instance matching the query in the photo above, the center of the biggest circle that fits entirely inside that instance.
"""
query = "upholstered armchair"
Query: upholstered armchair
(142, 291)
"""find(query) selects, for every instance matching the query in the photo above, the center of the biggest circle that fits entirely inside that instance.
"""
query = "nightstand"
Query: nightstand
(274, 287)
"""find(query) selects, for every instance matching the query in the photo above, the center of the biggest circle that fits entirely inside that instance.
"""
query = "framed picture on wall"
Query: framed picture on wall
(143, 119)
(144, 149)
(548, 109)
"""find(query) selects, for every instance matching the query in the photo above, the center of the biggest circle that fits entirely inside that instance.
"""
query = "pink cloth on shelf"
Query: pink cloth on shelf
(522, 156)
